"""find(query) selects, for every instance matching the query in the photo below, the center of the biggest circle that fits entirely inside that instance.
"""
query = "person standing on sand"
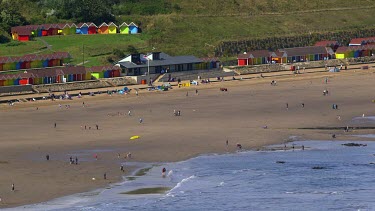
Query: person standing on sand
(227, 142)
(13, 187)
(163, 171)
(47, 157)
(287, 106)
(55, 125)
(303, 105)
(122, 168)
(76, 161)
(187, 94)
(196, 91)
(105, 176)
(97, 127)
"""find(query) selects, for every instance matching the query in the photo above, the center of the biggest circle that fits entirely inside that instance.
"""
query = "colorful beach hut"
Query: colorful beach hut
(82, 28)
(72, 28)
(63, 28)
(310, 53)
(133, 29)
(103, 28)
(92, 28)
(124, 28)
(112, 28)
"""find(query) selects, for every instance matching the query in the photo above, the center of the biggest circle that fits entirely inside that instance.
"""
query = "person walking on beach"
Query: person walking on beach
(76, 161)
(47, 157)
(55, 125)
(163, 171)
(97, 127)
(227, 142)
(287, 106)
(105, 176)
(187, 94)
(140, 120)
(13, 187)
(303, 105)
(129, 113)
(122, 168)
(196, 92)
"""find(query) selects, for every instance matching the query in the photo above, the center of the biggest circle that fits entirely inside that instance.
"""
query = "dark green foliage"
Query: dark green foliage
(10, 15)
(131, 49)
(144, 7)
(233, 48)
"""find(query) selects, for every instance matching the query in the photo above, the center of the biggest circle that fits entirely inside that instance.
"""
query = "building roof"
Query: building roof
(326, 43)
(165, 59)
(309, 50)
(123, 24)
(112, 24)
(80, 25)
(344, 49)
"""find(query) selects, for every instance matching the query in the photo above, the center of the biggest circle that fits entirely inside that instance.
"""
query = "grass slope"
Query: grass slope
(203, 24)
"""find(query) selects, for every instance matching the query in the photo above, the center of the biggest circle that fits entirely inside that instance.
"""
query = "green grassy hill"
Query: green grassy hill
(201, 25)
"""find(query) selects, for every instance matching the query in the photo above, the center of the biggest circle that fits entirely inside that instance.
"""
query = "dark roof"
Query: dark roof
(310, 50)
(97, 69)
(326, 43)
(33, 57)
(165, 59)
(344, 49)
(45, 72)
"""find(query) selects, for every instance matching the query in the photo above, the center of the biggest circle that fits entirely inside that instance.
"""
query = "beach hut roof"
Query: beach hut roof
(90, 24)
(80, 25)
(132, 24)
(309, 50)
(361, 41)
(123, 24)
(63, 25)
(112, 24)
(73, 25)
(103, 24)
(96, 69)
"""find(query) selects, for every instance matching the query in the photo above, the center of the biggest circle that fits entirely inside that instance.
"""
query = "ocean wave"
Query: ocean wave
(182, 182)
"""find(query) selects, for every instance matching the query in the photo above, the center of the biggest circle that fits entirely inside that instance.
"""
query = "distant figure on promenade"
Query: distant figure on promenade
(196, 91)
(76, 161)
(303, 105)
(122, 168)
(47, 157)
(227, 142)
(287, 106)
(55, 125)
(105, 176)
(13, 187)
(97, 127)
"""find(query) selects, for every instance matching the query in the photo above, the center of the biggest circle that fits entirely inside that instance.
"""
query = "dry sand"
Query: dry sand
(207, 120)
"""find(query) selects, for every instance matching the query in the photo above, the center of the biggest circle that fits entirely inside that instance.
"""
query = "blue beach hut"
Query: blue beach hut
(133, 29)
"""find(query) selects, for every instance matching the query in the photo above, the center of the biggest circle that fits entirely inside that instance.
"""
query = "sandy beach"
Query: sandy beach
(252, 113)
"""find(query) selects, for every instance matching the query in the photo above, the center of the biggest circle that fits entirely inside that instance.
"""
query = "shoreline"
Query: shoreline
(210, 116)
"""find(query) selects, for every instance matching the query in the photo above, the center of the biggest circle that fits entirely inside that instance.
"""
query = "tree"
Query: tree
(97, 11)
(10, 15)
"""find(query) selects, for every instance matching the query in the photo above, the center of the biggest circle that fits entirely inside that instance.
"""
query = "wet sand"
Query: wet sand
(207, 120)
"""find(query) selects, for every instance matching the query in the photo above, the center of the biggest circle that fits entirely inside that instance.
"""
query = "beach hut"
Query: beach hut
(92, 28)
(103, 28)
(112, 28)
(242, 59)
(133, 29)
(23, 34)
(82, 28)
(72, 28)
(64, 29)
(310, 53)
(124, 28)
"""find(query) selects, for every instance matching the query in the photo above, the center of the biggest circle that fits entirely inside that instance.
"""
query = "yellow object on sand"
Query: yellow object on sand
(134, 137)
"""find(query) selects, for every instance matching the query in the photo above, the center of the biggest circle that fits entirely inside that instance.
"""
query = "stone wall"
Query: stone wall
(14, 90)
(71, 86)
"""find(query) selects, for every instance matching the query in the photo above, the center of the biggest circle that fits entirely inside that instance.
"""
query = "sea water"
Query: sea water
(324, 176)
